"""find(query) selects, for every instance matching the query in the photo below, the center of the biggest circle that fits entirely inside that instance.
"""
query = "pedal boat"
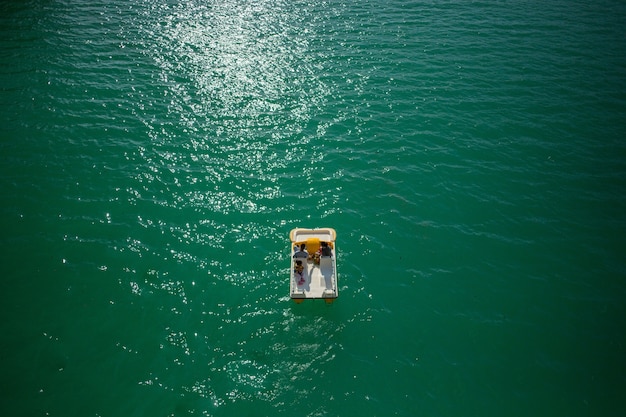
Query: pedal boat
(318, 279)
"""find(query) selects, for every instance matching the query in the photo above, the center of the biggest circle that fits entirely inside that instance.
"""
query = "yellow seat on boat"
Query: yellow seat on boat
(312, 244)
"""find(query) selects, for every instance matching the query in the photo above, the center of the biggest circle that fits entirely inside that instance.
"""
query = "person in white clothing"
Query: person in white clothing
(301, 252)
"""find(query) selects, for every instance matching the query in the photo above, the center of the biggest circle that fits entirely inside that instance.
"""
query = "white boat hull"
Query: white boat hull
(318, 279)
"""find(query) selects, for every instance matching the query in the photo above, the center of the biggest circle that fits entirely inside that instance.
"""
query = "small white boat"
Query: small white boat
(314, 272)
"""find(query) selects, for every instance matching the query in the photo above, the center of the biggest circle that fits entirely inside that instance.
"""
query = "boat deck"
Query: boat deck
(317, 281)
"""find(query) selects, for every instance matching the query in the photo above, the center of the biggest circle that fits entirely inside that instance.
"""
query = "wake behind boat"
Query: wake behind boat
(313, 264)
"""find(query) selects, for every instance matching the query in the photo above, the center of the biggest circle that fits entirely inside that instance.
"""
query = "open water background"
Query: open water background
(155, 154)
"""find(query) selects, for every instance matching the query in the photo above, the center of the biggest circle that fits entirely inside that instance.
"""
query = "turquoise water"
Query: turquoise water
(156, 154)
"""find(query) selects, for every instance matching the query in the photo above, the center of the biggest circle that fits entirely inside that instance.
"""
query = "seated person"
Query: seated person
(325, 250)
(299, 269)
(301, 252)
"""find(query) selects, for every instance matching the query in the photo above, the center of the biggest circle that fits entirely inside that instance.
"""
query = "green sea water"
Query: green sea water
(471, 156)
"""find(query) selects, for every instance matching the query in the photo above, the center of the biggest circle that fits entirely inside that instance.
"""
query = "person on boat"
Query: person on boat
(325, 250)
(301, 252)
(299, 269)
